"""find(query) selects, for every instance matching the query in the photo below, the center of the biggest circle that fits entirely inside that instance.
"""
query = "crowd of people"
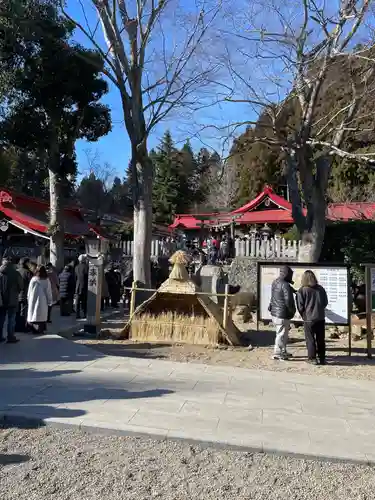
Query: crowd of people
(310, 301)
(28, 292)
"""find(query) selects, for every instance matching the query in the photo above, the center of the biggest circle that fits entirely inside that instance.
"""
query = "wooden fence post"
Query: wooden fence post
(132, 299)
(226, 307)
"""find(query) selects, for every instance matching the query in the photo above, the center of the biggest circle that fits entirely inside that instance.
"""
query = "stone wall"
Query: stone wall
(243, 272)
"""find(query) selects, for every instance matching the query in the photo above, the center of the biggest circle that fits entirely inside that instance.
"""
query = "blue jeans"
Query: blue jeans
(10, 313)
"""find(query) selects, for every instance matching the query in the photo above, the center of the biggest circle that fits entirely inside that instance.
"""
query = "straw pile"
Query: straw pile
(173, 327)
(180, 260)
(177, 313)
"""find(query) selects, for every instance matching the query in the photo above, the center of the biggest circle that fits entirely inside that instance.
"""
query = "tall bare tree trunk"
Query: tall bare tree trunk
(56, 222)
(142, 172)
(312, 225)
(56, 219)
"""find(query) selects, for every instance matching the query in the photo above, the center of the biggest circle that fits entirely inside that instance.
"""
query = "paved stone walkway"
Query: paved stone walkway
(64, 383)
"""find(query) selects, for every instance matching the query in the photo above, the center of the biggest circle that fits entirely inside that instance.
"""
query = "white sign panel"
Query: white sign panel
(333, 279)
(373, 279)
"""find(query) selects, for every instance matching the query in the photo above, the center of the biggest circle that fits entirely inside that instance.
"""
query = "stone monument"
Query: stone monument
(94, 290)
(94, 294)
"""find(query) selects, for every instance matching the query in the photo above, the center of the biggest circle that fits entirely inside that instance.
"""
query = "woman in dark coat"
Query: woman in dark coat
(67, 289)
(114, 285)
(311, 304)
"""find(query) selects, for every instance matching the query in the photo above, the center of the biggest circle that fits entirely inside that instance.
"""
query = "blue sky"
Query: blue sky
(115, 148)
(265, 69)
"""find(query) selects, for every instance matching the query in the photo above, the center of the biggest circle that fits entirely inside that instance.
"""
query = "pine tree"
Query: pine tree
(167, 180)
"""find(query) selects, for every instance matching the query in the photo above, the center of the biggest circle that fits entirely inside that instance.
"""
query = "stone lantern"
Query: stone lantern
(253, 232)
(92, 245)
(266, 232)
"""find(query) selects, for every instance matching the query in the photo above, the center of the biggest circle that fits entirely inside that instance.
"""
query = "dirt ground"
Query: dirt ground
(46, 464)
(339, 365)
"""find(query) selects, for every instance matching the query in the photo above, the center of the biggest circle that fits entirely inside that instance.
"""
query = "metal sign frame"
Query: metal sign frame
(368, 284)
(308, 265)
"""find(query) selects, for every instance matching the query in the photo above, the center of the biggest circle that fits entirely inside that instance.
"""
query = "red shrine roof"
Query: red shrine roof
(32, 213)
(268, 207)
(351, 211)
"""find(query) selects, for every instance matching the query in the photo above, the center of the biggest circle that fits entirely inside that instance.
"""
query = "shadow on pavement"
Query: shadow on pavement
(31, 416)
(13, 459)
(31, 373)
(43, 349)
(143, 350)
(349, 360)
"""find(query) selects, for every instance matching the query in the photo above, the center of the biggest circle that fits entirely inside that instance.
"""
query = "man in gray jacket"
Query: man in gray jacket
(282, 308)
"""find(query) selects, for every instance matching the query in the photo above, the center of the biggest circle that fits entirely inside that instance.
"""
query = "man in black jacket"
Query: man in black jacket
(66, 289)
(282, 308)
(10, 288)
(82, 280)
(26, 275)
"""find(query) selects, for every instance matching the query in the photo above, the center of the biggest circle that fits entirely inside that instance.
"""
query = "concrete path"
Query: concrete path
(64, 383)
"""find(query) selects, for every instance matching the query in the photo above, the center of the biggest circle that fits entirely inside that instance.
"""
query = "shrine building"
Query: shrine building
(267, 211)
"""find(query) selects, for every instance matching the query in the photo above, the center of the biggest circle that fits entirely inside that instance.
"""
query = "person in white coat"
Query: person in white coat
(39, 298)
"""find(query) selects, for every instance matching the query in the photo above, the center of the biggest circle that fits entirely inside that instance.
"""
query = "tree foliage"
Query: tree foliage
(184, 182)
(56, 92)
(258, 163)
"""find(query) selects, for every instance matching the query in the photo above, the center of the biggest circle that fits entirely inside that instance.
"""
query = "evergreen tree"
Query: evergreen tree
(167, 180)
(57, 92)
(189, 177)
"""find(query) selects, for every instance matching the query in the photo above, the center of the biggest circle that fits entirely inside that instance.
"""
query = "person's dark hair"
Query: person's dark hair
(32, 266)
(41, 273)
(309, 279)
(24, 262)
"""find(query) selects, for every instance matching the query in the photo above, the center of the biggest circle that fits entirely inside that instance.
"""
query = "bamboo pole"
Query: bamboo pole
(132, 299)
(209, 294)
(226, 307)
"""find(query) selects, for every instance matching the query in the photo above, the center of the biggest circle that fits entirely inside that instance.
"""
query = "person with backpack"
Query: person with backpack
(11, 285)
(312, 301)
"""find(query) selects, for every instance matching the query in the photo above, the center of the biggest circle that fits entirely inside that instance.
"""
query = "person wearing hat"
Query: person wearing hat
(282, 308)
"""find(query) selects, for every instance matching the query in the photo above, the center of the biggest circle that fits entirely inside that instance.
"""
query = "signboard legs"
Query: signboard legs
(369, 305)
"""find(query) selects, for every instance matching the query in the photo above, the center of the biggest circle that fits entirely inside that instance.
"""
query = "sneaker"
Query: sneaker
(13, 340)
(322, 362)
(312, 362)
(279, 357)
(287, 355)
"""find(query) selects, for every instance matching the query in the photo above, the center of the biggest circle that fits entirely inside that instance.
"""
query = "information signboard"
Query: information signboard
(373, 288)
(335, 280)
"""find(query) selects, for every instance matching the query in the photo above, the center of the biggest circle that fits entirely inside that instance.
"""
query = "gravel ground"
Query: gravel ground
(339, 365)
(41, 464)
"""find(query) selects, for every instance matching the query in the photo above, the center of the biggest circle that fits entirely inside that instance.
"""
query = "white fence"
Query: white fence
(263, 249)
(158, 248)
(255, 248)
